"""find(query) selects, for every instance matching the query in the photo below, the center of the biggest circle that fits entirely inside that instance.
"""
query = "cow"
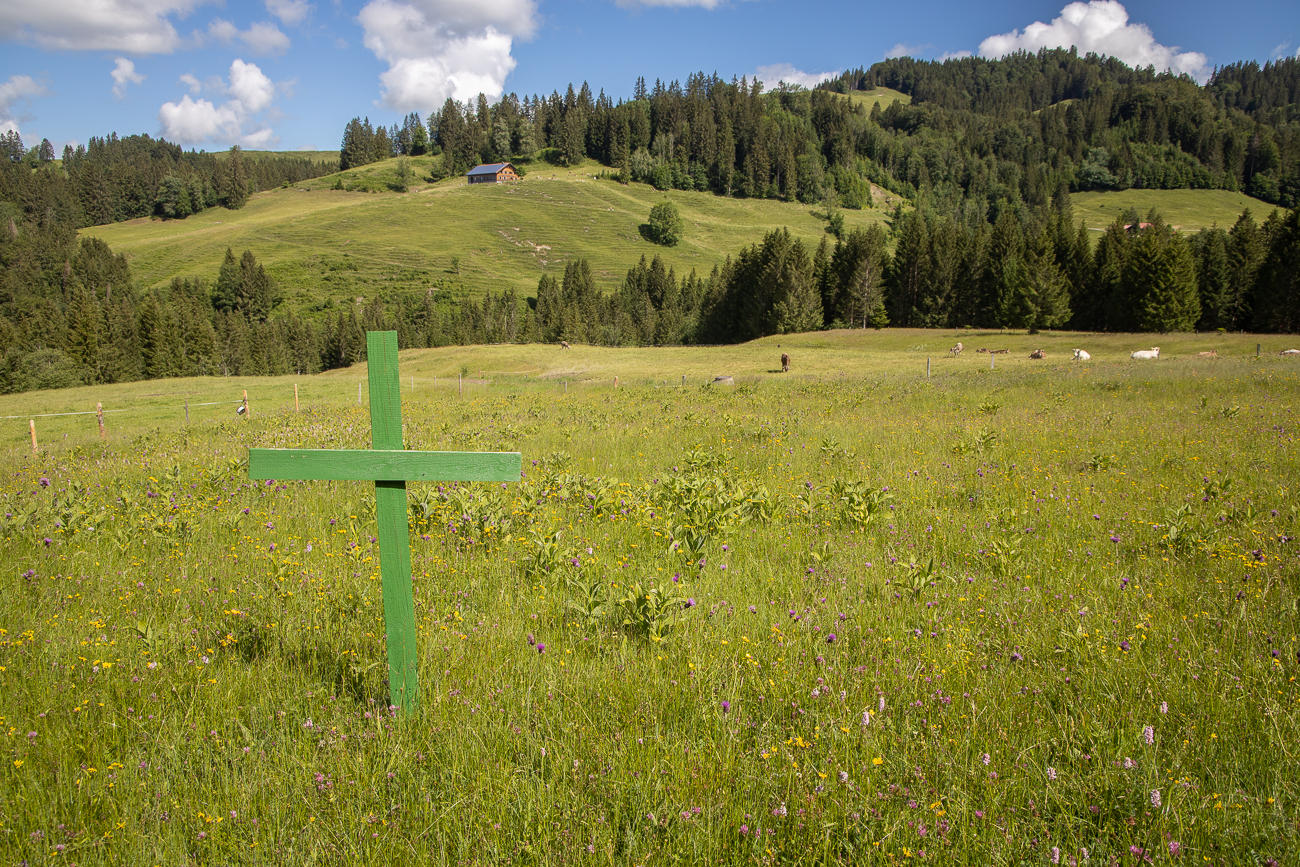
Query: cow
(1038, 353)
(1082, 355)
(956, 350)
(1150, 354)
(785, 362)
(564, 344)
(1212, 353)
(1289, 352)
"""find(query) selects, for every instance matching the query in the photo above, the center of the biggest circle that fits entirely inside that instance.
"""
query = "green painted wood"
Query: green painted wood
(389, 466)
(365, 465)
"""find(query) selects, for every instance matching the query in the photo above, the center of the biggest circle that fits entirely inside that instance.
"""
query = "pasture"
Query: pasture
(319, 243)
(1040, 613)
(1189, 210)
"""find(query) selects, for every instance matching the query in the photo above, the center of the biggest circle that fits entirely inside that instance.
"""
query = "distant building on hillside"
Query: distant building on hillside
(492, 173)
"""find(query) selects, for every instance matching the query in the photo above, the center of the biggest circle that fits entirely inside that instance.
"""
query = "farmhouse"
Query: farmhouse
(492, 173)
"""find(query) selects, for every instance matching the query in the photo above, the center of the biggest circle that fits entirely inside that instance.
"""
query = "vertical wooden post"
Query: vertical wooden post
(247, 411)
(358, 394)
(99, 414)
(927, 368)
(32, 422)
(1257, 350)
(566, 386)
(412, 383)
(683, 380)
(460, 383)
(992, 358)
(295, 398)
(616, 382)
(187, 410)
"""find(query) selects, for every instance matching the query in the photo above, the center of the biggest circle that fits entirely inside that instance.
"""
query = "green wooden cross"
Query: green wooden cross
(389, 467)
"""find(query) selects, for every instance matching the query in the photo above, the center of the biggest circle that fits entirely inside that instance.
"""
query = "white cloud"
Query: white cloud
(902, 49)
(251, 89)
(1281, 50)
(1101, 27)
(307, 147)
(19, 88)
(261, 38)
(773, 73)
(437, 49)
(132, 26)
(123, 74)
(290, 12)
(235, 121)
(953, 55)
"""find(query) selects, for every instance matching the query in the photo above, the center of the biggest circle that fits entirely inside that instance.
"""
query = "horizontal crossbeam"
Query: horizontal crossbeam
(373, 465)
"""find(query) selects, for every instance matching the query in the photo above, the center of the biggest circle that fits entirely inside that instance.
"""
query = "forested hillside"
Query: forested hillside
(985, 156)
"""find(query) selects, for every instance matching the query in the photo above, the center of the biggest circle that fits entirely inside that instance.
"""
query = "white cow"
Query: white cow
(1152, 353)
(1289, 352)
(956, 350)
(1082, 355)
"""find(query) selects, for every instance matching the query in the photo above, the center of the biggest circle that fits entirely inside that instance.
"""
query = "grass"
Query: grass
(882, 95)
(320, 243)
(983, 616)
(1191, 210)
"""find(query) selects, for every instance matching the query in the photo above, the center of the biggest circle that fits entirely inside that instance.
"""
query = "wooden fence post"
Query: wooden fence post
(247, 411)
(99, 414)
(32, 422)
(295, 398)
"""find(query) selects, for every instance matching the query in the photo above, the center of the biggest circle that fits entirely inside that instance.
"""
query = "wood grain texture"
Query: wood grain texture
(385, 390)
(399, 606)
(372, 465)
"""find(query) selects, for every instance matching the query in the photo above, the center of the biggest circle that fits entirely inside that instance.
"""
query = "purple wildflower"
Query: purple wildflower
(726, 706)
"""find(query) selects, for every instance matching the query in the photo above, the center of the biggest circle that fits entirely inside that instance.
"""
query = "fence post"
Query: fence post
(1257, 350)
(927, 368)
(99, 414)
(616, 382)
(460, 383)
(992, 358)
(247, 411)
(32, 422)
(358, 394)
(295, 398)
(187, 410)
(683, 380)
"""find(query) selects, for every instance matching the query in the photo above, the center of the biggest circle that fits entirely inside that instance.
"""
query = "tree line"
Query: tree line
(110, 179)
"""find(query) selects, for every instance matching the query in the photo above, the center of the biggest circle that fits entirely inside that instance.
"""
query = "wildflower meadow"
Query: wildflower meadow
(1036, 614)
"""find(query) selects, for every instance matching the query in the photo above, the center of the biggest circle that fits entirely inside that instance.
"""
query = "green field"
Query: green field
(845, 615)
(319, 243)
(1190, 210)
(882, 95)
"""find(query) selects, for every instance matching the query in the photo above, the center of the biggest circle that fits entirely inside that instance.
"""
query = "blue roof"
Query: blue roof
(490, 169)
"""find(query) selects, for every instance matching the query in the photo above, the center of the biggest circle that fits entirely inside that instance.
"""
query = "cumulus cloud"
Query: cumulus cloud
(240, 119)
(290, 12)
(262, 38)
(902, 49)
(132, 26)
(437, 49)
(953, 55)
(18, 89)
(1101, 27)
(773, 73)
(123, 74)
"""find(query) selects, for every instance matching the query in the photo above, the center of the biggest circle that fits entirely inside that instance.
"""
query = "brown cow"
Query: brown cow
(956, 350)
(564, 344)
(1213, 353)
(785, 363)
(1038, 353)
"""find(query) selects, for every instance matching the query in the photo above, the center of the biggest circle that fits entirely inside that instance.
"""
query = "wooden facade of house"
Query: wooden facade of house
(492, 173)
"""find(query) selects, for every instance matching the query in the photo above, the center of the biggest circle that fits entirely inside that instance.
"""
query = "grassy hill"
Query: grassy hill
(1192, 210)
(882, 95)
(318, 242)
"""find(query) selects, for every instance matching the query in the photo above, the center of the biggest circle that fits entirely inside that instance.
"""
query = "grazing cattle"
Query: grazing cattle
(956, 350)
(785, 363)
(1082, 355)
(564, 344)
(1213, 353)
(1289, 352)
(1152, 353)
(723, 380)
(1038, 353)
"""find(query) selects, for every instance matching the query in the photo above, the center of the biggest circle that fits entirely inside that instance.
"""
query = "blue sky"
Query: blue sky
(289, 74)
